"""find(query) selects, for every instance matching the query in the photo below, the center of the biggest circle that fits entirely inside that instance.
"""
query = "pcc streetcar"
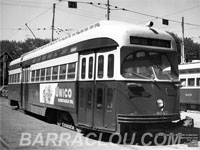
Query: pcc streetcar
(189, 74)
(110, 76)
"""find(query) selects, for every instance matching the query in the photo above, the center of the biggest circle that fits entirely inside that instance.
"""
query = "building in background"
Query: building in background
(5, 59)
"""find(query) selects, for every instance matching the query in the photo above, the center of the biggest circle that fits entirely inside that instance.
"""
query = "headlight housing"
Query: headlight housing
(160, 103)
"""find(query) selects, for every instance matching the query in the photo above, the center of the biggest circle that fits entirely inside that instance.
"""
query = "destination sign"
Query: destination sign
(150, 42)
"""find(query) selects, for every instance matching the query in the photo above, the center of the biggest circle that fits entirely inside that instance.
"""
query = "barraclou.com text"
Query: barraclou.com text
(66, 139)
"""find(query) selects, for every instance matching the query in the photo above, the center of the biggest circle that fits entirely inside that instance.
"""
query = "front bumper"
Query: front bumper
(124, 118)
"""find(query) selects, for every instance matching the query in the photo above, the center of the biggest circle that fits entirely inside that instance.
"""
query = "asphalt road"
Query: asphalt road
(25, 132)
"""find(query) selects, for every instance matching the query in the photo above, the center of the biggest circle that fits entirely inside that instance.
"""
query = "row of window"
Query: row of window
(110, 68)
(190, 82)
(61, 72)
(100, 70)
(15, 78)
(48, 56)
(189, 71)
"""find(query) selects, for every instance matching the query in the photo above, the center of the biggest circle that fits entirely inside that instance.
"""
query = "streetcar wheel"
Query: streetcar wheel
(14, 105)
(51, 115)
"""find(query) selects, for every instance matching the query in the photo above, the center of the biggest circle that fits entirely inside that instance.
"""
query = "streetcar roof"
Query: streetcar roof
(115, 30)
(16, 61)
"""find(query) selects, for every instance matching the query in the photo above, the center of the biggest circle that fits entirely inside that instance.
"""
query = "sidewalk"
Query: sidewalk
(23, 132)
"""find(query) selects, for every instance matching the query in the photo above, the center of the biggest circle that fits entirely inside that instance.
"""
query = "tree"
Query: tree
(16, 49)
(192, 50)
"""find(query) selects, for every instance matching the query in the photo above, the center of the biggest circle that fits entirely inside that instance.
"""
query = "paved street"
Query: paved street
(21, 131)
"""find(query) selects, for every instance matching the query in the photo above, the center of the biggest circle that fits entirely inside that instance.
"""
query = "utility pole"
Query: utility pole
(108, 10)
(52, 27)
(182, 43)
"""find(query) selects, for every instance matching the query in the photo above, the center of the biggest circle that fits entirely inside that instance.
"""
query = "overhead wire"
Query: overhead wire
(97, 16)
(29, 22)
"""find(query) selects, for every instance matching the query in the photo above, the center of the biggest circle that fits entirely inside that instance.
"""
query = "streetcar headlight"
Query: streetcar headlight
(160, 103)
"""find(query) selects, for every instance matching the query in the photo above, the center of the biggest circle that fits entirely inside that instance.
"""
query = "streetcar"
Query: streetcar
(189, 74)
(111, 76)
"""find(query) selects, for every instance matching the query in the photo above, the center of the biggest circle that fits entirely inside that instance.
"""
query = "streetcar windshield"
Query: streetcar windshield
(148, 65)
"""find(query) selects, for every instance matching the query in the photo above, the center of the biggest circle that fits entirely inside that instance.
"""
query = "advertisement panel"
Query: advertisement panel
(58, 94)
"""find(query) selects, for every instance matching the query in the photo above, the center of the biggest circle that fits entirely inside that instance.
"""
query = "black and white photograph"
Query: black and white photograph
(99, 74)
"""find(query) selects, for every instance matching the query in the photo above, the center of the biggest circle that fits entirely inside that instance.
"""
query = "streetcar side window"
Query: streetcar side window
(16, 78)
(90, 67)
(100, 66)
(11, 78)
(198, 81)
(83, 67)
(8, 78)
(19, 77)
(55, 73)
(48, 73)
(42, 77)
(191, 82)
(99, 98)
(110, 65)
(183, 82)
(71, 71)
(62, 74)
(44, 57)
(38, 75)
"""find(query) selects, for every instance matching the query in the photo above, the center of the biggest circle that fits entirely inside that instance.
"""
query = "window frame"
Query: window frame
(55, 74)
(189, 80)
(48, 76)
(90, 67)
(62, 72)
(71, 70)
(110, 68)
(37, 76)
(100, 69)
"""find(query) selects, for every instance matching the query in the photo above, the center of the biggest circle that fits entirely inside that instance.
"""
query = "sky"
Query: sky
(38, 14)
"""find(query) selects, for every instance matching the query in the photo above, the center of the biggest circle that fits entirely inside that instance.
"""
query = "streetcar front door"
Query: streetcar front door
(104, 106)
(86, 89)
(96, 108)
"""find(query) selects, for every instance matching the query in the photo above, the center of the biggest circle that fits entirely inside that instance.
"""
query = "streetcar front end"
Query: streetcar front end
(148, 93)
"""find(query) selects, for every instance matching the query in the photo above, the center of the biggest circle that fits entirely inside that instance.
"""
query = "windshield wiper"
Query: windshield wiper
(160, 67)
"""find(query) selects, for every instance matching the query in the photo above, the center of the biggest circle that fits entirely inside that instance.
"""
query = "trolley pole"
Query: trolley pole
(108, 10)
(52, 27)
(182, 43)
(30, 30)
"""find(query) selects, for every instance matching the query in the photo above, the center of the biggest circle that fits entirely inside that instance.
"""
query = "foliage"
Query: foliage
(15, 49)
(192, 50)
